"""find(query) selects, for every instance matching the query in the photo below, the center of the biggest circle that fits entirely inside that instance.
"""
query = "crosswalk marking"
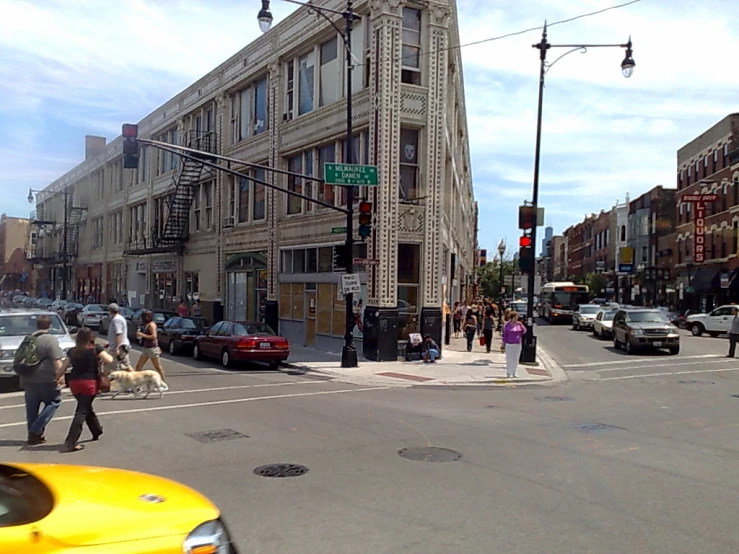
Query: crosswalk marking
(718, 361)
(669, 374)
(628, 361)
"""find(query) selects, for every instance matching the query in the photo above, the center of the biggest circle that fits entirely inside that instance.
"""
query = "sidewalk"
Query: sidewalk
(456, 367)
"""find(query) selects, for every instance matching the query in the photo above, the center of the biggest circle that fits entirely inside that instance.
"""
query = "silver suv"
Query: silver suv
(16, 324)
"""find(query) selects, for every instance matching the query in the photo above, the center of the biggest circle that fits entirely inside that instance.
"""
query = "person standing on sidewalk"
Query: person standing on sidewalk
(733, 333)
(470, 328)
(513, 332)
(43, 385)
(488, 325)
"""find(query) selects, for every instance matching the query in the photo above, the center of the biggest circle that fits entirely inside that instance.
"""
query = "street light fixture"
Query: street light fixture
(501, 252)
(627, 67)
(349, 351)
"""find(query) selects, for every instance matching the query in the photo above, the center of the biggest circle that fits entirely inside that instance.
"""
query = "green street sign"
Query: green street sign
(352, 175)
(338, 230)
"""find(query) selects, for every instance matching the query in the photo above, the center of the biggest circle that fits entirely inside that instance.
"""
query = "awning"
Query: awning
(703, 279)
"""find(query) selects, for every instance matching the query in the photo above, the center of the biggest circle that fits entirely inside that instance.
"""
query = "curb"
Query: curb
(555, 370)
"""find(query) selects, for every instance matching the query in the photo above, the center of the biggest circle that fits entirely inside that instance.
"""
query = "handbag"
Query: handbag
(482, 340)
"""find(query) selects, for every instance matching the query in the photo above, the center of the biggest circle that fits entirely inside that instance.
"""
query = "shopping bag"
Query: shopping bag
(482, 340)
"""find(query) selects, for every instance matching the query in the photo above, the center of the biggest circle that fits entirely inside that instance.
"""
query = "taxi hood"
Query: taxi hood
(97, 505)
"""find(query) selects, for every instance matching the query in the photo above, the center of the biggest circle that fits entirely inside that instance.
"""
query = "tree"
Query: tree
(597, 283)
(490, 277)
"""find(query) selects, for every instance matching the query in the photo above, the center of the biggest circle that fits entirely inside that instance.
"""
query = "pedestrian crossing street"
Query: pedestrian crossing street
(656, 366)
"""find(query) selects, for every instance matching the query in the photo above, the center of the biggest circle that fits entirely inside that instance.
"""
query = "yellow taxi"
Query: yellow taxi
(66, 509)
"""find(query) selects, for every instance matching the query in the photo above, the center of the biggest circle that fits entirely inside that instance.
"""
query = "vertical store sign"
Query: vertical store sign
(699, 235)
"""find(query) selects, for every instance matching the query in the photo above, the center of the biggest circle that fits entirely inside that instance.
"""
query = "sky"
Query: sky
(69, 68)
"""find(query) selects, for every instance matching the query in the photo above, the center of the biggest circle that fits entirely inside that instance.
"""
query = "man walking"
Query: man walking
(118, 343)
(733, 333)
(43, 384)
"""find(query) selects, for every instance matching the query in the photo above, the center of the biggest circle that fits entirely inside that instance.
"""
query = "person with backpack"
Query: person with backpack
(38, 362)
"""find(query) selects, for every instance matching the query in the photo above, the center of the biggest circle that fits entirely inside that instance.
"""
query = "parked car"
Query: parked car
(714, 323)
(242, 341)
(179, 333)
(125, 511)
(105, 321)
(58, 306)
(44, 303)
(644, 328)
(603, 324)
(160, 317)
(584, 316)
(17, 323)
(91, 315)
(69, 314)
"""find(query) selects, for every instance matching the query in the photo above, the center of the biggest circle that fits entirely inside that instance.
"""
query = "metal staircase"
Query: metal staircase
(74, 219)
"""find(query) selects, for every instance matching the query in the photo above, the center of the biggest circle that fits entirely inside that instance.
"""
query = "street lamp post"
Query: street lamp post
(349, 351)
(64, 237)
(627, 67)
(501, 252)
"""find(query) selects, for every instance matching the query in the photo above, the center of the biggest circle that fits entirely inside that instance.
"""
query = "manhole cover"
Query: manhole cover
(281, 470)
(217, 435)
(430, 454)
(553, 398)
(696, 382)
(590, 427)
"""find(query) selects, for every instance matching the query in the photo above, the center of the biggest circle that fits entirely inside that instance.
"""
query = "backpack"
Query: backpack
(26, 360)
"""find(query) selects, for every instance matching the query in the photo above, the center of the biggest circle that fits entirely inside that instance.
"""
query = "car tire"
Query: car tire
(225, 358)
(274, 365)
(627, 346)
(196, 352)
(697, 329)
(172, 349)
(675, 351)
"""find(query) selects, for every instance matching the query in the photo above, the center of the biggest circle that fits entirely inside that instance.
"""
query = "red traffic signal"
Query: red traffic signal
(524, 241)
(365, 207)
(365, 219)
(130, 130)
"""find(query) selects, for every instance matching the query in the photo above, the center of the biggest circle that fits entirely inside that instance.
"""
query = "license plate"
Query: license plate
(657, 344)
(265, 345)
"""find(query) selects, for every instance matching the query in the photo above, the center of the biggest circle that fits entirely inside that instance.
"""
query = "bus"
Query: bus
(558, 300)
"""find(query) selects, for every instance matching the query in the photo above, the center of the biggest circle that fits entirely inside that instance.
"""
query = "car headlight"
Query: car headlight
(210, 537)
(637, 332)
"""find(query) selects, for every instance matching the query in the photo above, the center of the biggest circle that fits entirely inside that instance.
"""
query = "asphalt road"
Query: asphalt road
(635, 466)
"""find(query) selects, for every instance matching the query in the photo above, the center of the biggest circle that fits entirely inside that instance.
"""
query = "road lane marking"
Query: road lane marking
(671, 373)
(717, 361)
(596, 364)
(191, 391)
(211, 403)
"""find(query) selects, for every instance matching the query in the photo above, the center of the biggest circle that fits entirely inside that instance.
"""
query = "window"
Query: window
(411, 55)
(295, 184)
(97, 233)
(249, 111)
(644, 253)
(116, 227)
(245, 102)
(196, 210)
(408, 164)
(259, 195)
(289, 87)
(208, 197)
(726, 156)
(306, 72)
(243, 195)
(330, 74)
(327, 154)
(260, 106)
(137, 222)
(409, 277)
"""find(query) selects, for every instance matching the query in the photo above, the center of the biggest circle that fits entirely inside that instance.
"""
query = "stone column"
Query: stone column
(271, 313)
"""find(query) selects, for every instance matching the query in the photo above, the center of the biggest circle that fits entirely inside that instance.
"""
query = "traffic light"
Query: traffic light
(526, 217)
(365, 219)
(526, 254)
(483, 257)
(130, 134)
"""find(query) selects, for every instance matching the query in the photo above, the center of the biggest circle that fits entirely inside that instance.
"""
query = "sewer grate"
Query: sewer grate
(696, 382)
(281, 470)
(553, 398)
(430, 454)
(589, 427)
(217, 435)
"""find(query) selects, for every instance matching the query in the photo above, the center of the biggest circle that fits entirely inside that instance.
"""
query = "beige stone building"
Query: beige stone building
(251, 252)
(15, 269)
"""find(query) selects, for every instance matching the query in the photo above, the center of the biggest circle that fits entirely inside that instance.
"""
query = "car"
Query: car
(642, 328)
(584, 316)
(242, 341)
(105, 320)
(135, 322)
(91, 315)
(714, 323)
(44, 303)
(179, 333)
(603, 324)
(522, 308)
(125, 511)
(16, 324)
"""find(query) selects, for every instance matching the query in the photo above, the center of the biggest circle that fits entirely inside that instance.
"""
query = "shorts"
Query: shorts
(153, 352)
(457, 325)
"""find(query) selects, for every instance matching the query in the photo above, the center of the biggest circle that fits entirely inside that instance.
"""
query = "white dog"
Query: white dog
(136, 381)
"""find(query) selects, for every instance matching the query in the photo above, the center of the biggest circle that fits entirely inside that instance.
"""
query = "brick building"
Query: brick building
(15, 269)
(602, 243)
(704, 166)
(580, 243)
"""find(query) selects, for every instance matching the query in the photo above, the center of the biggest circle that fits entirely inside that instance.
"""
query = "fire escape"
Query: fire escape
(172, 234)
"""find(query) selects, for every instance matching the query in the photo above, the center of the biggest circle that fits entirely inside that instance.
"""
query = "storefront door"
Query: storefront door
(310, 317)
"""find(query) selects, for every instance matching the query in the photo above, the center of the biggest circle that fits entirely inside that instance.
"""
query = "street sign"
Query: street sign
(350, 283)
(365, 261)
(352, 175)
(338, 230)
(625, 268)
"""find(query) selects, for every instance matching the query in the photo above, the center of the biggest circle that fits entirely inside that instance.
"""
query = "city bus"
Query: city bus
(557, 301)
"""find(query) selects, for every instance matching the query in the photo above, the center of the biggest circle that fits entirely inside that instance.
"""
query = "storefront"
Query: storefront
(115, 284)
(89, 283)
(164, 285)
(246, 286)
(136, 286)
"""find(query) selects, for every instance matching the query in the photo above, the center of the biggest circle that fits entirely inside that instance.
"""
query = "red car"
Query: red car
(242, 341)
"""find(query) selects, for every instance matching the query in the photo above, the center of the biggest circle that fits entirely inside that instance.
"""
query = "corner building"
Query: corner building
(174, 229)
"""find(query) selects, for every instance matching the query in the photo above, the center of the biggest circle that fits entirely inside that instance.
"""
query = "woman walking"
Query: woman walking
(457, 319)
(488, 324)
(470, 328)
(86, 359)
(513, 331)
(151, 344)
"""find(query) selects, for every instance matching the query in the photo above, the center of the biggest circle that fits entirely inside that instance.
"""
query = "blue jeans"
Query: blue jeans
(48, 394)
(433, 354)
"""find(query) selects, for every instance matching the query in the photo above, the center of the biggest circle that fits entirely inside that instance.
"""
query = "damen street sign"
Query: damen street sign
(353, 175)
